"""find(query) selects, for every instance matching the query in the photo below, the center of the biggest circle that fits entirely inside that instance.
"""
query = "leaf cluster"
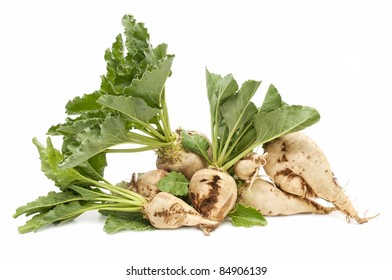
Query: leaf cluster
(82, 189)
(238, 125)
(128, 108)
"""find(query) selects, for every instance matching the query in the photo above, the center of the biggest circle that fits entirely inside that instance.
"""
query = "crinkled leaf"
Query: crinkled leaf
(113, 131)
(153, 56)
(87, 102)
(118, 221)
(74, 126)
(195, 143)
(245, 216)
(137, 37)
(79, 124)
(92, 168)
(150, 86)
(270, 125)
(174, 183)
(114, 57)
(120, 70)
(50, 160)
(118, 49)
(45, 203)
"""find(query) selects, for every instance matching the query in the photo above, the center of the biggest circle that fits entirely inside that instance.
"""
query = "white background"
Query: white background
(332, 55)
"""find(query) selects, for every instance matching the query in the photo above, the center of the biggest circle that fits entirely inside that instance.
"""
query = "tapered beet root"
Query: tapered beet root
(166, 211)
(270, 201)
(298, 166)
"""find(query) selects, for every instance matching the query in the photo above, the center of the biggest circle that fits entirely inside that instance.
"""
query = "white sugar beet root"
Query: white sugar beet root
(213, 193)
(249, 166)
(270, 201)
(176, 158)
(146, 184)
(166, 211)
(298, 166)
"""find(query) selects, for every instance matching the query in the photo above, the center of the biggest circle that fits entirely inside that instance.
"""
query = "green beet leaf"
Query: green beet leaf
(112, 132)
(61, 213)
(238, 109)
(133, 107)
(64, 213)
(45, 203)
(272, 100)
(137, 37)
(129, 107)
(87, 102)
(74, 126)
(238, 126)
(150, 86)
(50, 160)
(218, 90)
(288, 119)
(174, 183)
(94, 167)
(91, 193)
(196, 143)
(119, 221)
(32, 223)
(245, 216)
